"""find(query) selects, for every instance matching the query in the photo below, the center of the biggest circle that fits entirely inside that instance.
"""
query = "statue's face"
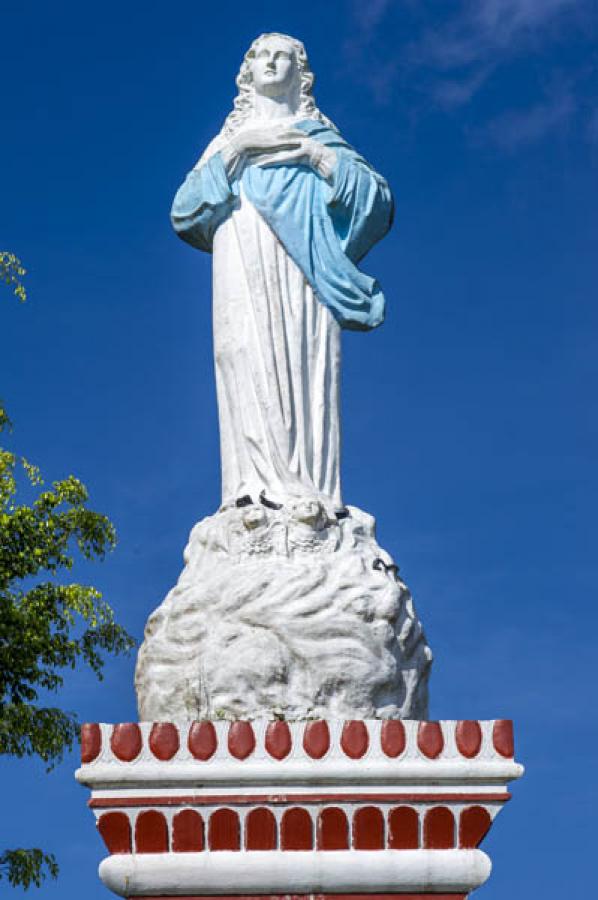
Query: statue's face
(253, 517)
(274, 67)
(310, 512)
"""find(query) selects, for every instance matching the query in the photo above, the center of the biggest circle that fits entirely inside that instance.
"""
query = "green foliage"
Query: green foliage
(11, 272)
(45, 626)
(27, 867)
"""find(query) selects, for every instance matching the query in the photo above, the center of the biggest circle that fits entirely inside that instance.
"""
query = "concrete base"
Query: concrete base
(239, 809)
(310, 897)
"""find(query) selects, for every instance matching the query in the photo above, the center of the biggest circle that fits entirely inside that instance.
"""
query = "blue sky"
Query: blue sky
(470, 426)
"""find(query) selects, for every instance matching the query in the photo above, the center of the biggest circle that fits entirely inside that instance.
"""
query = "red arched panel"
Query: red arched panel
(151, 832)
(474, 824)
(468, 736)
(296, 830)
(439, 829)
(316, 739)
(260, 830)
(403, 828)
(355, 739)
(368, 829)
(187, 832)
(224, 832)
(202, 741)
(392, 737)
(126, 741)
(278, 740)
(115, 829)
(333, 829)
(430, 739)
(91, 741)
(241, 739)
(164, 740)
(502, 737)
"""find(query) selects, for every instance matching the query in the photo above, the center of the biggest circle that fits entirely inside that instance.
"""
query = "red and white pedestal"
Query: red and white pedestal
(383, 808)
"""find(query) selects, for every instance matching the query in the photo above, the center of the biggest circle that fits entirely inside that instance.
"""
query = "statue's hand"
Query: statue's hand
(268, 146)
(266, 140)
(246, 145)
(308, 153)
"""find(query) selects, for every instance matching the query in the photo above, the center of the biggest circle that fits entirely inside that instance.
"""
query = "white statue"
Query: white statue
(287, 606)
(288, 208)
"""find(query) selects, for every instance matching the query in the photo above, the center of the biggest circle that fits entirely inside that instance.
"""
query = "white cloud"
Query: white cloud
(484, 31)
(454, 51)
(516, 128)
(368, 14)
(453, 92)
(511, 16)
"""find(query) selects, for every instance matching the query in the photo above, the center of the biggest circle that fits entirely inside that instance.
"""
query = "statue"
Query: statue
(288, 611)
(288, 209)
(287, 606)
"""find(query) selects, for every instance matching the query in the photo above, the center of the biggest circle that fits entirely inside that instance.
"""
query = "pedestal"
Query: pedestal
(240, 809)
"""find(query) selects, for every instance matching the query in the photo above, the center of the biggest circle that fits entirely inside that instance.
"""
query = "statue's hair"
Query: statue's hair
(243, 105)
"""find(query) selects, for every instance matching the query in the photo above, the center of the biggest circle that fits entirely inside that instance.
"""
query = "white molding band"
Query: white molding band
(102, 776)
(276, 872)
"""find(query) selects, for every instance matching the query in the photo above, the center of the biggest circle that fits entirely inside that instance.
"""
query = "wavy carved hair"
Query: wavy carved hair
(243, 105)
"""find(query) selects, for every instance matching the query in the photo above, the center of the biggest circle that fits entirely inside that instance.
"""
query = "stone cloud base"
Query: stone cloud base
(243, 809)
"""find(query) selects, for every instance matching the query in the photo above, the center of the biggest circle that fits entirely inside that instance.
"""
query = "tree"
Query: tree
(46, 626)
(11, 272)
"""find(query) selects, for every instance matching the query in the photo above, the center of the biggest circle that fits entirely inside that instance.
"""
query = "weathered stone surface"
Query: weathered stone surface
(284, 613)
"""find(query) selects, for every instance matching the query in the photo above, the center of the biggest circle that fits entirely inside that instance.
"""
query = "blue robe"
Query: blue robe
(326, 228)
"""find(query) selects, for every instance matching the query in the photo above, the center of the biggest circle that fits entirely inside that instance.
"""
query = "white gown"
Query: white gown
(277, 356)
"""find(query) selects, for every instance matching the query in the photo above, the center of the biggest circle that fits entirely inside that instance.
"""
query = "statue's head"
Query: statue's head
(254, 517)
(309, 512)
(272, 67)
(275, 65)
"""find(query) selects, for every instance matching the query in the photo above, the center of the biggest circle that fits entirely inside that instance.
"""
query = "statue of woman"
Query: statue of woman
(288, 209)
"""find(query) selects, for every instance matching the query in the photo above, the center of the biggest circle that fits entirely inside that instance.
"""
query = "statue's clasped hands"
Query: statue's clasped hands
(268, 147)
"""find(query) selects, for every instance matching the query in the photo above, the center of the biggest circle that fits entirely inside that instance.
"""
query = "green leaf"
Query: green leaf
(26, 867)
(11, 272)
(48, 625)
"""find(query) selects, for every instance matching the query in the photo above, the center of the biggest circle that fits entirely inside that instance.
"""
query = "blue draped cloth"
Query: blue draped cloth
(326, 228)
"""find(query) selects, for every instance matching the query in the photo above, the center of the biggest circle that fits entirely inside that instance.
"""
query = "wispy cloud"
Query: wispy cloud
(368, 15)
(449, 57)
(468, 46)
(453, 92)
(513, 15)
(517, 128)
